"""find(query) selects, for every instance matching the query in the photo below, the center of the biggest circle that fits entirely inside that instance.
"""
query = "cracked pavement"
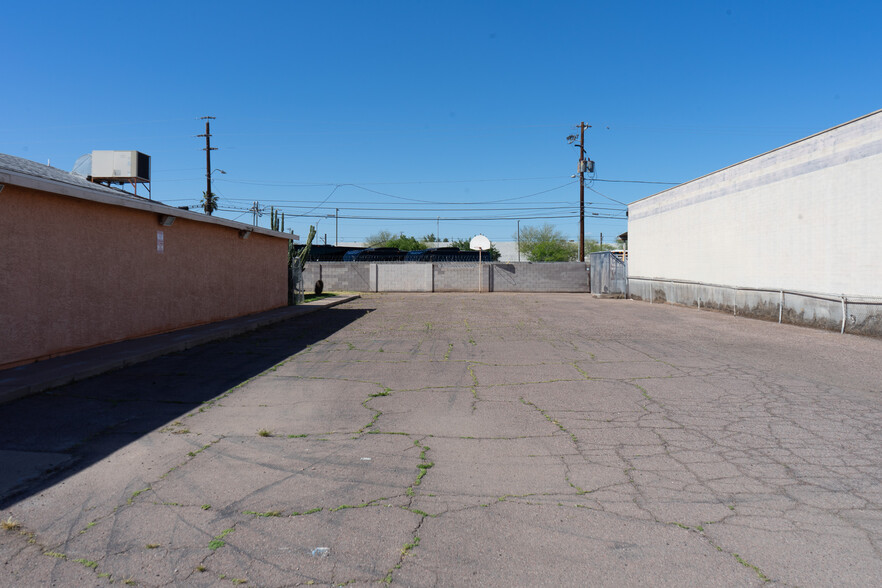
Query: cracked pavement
(460, 439)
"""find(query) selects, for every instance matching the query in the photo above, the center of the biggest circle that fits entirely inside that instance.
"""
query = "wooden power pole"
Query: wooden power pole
(582, 167)
(208, 149)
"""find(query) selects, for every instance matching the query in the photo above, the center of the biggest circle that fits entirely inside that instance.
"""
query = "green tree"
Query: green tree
(546, 243)
(592, 246)
(401, 241)
(378, 239)
(406, 243)
(209, 202)
(461, 244)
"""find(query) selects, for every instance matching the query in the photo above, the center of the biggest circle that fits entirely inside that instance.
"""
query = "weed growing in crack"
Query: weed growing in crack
(424, 466)
(152, 545)
(747, 564)
(308, 512)
(218, 541)
(405, 551)
(205, 507)
(200, 450)
(579, 490)
(89, 526)
(10, 524)
(581, 371)
(474, 377)
(551, 420)
(409, 546)
(376, 416)
(135, 494)
(362, 505)
(265, 433)
(271, 513)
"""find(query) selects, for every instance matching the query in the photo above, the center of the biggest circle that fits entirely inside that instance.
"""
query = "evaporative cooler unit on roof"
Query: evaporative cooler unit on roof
(121, 167)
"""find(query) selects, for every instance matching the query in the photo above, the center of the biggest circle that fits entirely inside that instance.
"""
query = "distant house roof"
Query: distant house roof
(18, 171)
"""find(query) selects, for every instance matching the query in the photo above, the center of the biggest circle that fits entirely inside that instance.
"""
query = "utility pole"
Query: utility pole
(255, 212)
(519, 239)
(208, 149)
(585, 164)
(336, 224)
(582, 167)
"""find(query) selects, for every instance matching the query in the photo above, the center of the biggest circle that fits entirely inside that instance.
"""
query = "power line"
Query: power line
(637, 182)
(419, 182)
(506, 209)
(398, 183)
(605, 196)
(434, 218)
(475, 202)
(521, 209)
(354, 204)
(326, 199)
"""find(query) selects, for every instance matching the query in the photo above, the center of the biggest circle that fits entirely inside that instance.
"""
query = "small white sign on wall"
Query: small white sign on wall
(160, 242)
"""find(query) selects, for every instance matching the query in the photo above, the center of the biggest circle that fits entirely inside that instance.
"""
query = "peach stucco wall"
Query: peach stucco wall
(77, 274)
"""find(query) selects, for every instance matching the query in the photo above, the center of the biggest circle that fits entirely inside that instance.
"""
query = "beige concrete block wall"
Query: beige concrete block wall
(77, 273)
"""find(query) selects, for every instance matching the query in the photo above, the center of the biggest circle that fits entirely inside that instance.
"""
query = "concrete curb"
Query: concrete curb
(37, 377)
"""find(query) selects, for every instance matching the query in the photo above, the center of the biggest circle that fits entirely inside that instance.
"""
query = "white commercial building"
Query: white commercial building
(794, 234)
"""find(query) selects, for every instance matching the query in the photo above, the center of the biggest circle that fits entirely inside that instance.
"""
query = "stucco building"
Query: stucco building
(789, 235)
(83, 265)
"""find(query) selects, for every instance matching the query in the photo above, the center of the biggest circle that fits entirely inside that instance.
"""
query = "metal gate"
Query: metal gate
(609, 274)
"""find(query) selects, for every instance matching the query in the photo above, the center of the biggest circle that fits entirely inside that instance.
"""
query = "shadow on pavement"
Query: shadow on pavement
(63, 431)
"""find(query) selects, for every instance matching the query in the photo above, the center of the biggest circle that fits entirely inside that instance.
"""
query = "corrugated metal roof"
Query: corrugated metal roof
(20, 165)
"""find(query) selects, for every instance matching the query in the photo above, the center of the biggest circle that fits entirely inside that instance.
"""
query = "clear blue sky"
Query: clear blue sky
(411, 111)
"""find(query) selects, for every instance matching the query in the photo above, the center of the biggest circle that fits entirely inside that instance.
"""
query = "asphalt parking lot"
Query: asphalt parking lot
(459, 440)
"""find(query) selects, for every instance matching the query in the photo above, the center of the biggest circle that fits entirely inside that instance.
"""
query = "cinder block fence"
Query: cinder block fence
(447, 277)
